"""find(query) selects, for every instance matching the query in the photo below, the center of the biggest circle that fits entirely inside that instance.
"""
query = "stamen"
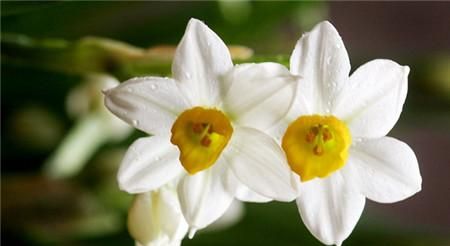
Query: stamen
(321, 149)
(318, 150)
(315, 129)
(206, 141)
(326, 135)
(197, 128)
(201, 135)
(310, 137)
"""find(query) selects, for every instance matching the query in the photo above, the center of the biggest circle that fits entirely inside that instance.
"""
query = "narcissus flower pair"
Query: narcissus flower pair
(215, 126)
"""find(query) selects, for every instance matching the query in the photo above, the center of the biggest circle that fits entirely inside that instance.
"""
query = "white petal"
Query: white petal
(329, 209)
(384, 170)
(203, 197)
(231, 217)
(258, 95)
(278, 130)
(160, 242)
(240, 191)
(243, 193)
(322, 60)
(199, 59)
(142, 224)
(150, 104)
(155, 218)
(372, 100)
(148, 164)
(259, 163)
(171, 218)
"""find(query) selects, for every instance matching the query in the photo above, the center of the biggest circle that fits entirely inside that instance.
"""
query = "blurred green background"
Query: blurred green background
(54, 53)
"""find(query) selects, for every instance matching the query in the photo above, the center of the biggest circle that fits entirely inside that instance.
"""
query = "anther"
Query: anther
(310, 137)
(315, 129)
(326, 135)
(206, 141)
(197, 128)
(318, 150)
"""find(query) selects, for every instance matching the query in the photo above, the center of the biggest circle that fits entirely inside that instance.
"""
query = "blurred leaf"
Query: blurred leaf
(87, 55)
(437, 74)
(235, 11)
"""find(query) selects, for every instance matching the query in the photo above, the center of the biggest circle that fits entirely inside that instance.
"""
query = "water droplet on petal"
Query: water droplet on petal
(135, 122)
(188, 75)
(153, 87)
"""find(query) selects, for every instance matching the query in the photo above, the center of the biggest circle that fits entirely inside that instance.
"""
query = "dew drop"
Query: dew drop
(328, 60)
(135, 122)
(188, 75)
(153, 87)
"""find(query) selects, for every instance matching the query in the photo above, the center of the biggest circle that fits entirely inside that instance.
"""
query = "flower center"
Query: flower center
(201, 135)
(316, 146)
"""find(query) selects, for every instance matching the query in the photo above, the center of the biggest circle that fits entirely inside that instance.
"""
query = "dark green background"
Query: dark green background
(414, 34)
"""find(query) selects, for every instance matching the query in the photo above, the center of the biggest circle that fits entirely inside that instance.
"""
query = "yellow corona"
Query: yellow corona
(316, 146)
(200, 134)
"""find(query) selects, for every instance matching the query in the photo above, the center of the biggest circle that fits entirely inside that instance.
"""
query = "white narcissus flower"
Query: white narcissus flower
(155, 218)
(334, 136)
(207, 124)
